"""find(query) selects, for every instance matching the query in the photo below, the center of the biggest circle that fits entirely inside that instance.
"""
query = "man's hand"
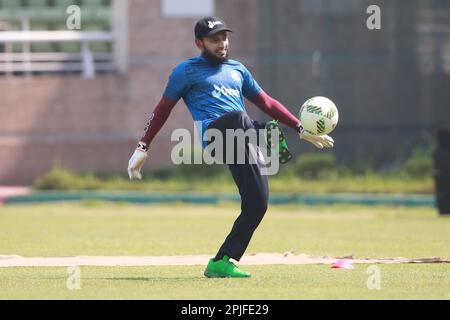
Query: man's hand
(137, 161)
(319, 141)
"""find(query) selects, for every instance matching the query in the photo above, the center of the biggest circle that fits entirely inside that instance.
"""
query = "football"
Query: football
(319, 116)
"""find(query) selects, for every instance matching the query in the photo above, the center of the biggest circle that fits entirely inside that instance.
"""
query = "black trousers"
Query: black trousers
(252, 184)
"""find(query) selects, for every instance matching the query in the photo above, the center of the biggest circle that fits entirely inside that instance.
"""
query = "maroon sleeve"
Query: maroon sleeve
(275, 109)
(157, 119)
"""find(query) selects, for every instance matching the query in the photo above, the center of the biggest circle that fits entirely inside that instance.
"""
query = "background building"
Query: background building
(82, 100)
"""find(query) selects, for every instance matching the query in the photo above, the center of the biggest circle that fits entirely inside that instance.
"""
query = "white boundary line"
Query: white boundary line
(250, 259)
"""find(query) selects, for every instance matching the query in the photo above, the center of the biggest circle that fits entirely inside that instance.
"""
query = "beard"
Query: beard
(212, 58)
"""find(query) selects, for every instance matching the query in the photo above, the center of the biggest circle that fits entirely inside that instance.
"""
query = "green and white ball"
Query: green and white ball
(319, 116)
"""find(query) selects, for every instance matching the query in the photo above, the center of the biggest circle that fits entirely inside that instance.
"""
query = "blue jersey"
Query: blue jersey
(211, 91)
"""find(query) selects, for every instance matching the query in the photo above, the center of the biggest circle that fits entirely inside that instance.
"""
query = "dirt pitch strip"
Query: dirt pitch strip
(249, 259)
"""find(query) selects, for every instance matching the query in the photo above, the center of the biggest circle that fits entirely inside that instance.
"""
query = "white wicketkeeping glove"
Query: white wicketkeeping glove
(319, 141)
(137, 160)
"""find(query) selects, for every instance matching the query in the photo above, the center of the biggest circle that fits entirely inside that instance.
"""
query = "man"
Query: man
(213, 87)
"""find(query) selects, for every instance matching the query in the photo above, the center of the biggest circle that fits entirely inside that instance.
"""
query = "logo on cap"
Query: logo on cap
(211, 24)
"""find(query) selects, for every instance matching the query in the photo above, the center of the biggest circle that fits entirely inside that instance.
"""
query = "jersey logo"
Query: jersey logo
(218, 91)
(235, 75)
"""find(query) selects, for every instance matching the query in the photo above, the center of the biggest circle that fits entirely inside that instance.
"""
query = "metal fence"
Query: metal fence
(34, 37)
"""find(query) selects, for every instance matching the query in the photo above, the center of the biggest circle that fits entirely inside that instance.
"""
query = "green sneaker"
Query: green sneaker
(224, 268)
(283, 150)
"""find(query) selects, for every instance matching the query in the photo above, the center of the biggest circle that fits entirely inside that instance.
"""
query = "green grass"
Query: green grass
(369, 183)
(268, 282)
(221, 181)
(93, 228)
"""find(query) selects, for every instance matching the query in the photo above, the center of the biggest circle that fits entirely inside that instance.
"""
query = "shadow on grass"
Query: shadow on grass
(155, 278)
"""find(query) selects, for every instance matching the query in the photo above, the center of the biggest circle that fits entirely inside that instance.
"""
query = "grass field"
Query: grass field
(93, 228)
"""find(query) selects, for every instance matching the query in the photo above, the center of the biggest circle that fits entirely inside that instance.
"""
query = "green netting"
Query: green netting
(64, 3)
(10, 4)
(37, 3)
(41, 11)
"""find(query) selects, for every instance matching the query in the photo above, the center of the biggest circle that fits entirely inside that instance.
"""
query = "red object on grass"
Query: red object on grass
(342, 264)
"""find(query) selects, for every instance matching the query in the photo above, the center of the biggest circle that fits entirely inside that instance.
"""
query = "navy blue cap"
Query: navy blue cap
(209, 26)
